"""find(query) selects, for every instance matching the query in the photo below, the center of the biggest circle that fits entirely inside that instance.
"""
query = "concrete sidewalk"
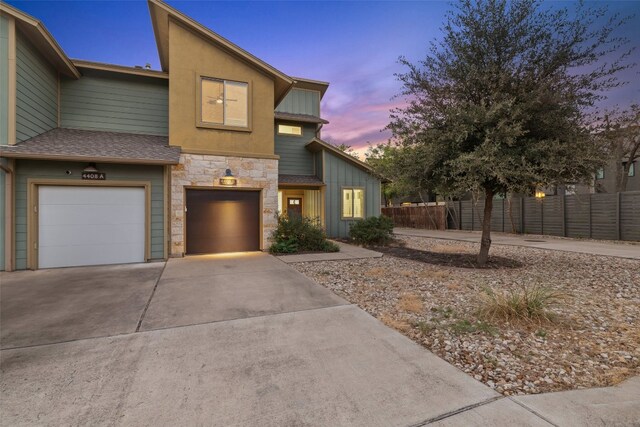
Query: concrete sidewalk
(593, 247)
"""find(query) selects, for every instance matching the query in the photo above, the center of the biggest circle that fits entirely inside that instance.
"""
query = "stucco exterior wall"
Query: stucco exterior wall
(195, 170)
(190, 57)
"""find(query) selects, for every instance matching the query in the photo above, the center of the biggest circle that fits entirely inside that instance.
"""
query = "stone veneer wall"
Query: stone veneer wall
(204, 171)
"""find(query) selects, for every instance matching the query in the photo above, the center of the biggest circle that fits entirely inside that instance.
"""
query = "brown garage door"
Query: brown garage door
(222, 221)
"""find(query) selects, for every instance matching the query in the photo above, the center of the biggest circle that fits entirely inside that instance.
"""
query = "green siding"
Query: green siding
(36, 91)
(2, 215)
(4, 80)
(4, 120)
(340, 173)
(295, 159)
(301, 101)
(26, 169)
(115, 102)
(317, 158)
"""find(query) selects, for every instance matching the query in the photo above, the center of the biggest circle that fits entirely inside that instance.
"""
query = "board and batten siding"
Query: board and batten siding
(36, 91)
(26, 169)
(4, 80)
(339, 174)
(301, 101)
(295, 159)
(117, 103)
(4, 119)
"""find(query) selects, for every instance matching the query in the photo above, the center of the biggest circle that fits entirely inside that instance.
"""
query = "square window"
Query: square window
(224, 102)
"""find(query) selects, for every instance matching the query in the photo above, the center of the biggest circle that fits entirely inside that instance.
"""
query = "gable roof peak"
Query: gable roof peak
(161, 13)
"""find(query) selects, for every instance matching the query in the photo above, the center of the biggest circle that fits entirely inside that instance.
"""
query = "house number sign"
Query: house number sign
(96, 176)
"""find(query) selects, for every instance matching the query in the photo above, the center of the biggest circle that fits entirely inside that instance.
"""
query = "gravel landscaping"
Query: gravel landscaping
(429, 290)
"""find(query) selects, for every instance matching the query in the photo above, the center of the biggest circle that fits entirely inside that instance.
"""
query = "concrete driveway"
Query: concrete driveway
(66, 304)
(219, 340)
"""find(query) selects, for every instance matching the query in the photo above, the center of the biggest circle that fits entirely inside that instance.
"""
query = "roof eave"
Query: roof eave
(79, 63)
(287, 117)
(64, 157)
(318, 85)
(40, 36)
(159, 10)
(325, 145)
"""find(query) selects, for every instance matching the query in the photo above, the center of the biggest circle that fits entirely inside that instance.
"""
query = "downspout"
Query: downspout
(9, 215)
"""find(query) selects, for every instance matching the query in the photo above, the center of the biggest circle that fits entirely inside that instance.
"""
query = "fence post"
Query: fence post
(459, 214)
(472, 215)
(618, 231)
(542, 216)
(521, 215)
(564, 216)
(590, 225)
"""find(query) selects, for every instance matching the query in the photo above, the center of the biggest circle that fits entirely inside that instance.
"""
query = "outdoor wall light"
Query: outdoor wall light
(228, 179)
(91, 168)
(540, 194)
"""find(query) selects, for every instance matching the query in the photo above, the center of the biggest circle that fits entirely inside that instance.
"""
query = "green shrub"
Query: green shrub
(375, 230)
(300, 235)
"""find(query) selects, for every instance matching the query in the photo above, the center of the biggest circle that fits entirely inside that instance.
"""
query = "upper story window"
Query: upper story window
(600, 173)
(224, 103)
(632, 168)
(289, 130)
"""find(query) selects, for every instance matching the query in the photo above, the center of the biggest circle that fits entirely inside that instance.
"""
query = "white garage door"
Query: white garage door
(90, 226)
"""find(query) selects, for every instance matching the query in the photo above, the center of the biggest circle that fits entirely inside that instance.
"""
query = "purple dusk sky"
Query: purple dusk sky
(353, 45)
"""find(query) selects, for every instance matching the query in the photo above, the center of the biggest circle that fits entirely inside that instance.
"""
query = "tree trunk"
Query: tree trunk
(485, 242)
(632, 157)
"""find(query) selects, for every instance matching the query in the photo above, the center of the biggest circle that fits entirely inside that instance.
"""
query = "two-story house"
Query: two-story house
(103, 164)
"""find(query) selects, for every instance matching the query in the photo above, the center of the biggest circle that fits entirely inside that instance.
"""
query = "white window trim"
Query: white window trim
(364, 203)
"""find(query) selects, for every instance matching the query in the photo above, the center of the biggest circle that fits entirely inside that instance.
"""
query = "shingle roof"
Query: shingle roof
(89, 145)
(299, 180)
(306, 118)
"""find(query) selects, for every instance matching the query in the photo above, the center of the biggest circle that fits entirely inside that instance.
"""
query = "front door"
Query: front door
(294, 207)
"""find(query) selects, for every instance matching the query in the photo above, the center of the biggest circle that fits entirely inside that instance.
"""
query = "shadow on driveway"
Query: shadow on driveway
(66, 304)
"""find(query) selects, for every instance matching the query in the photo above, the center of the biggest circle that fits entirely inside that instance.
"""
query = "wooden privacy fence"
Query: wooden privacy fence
(427, 217)
(596, 216)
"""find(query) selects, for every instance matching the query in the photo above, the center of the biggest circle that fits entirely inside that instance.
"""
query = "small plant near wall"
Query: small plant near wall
(375, 230)
(299, 234)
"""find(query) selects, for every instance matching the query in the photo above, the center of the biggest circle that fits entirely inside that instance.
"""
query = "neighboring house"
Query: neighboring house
(605, 178)
(105, 164)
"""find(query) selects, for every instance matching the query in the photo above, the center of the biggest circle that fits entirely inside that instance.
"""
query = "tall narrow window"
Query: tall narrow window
(352, 203)
(224, 102)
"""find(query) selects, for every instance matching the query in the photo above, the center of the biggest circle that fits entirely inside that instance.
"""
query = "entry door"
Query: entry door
(294, 207)
(222, 221)
(90, 225)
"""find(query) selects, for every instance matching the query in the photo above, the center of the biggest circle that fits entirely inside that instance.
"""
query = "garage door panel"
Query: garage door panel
(88, 234)
(90, 225)
(222, 221)
(90, 214)
(89, 195)
(88, 255)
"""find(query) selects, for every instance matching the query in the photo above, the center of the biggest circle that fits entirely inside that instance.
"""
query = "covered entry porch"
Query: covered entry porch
(301, 195)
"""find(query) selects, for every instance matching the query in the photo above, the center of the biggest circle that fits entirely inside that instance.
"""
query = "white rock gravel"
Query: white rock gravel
(593, 341)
